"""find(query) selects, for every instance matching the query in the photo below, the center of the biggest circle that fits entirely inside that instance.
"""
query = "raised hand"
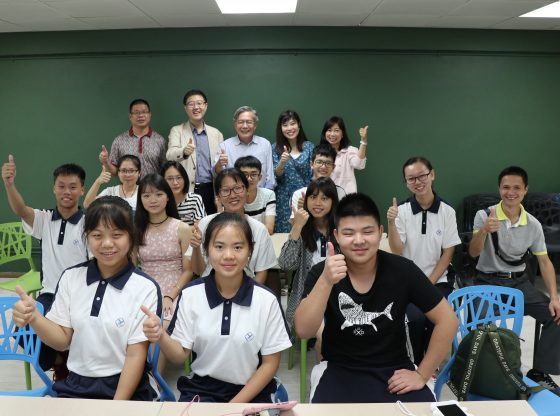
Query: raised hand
(335, 266)
(492, 223)
(300, 200)
(24, 309)
(300, 217)
(196, 237)
(393, 211)
(189, 148)
(9, 171)
(104, 155)
(285, 156)
(104, 177)
(223, 158)
(363, 134)
(152, 325)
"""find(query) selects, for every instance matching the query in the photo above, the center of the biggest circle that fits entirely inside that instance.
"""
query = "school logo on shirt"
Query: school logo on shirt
(354, 314)
(119, 322)
(249, 336)
(76, 242)
(439, 233)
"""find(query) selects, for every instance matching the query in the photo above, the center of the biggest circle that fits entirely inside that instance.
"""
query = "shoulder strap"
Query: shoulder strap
(498, 252)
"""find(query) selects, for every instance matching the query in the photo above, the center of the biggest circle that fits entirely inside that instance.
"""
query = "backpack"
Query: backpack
(488, 363)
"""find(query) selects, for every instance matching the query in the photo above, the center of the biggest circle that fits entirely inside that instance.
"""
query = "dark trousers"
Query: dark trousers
(420, 328)
(536, 305)
(206, 191)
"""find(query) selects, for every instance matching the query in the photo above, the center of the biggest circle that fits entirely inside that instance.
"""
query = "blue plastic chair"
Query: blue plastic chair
(281, 394)
(165, 392)
(477, 305)
(10, 337)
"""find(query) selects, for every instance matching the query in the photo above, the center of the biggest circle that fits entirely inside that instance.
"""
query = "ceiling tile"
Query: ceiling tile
(178, 20)
(529, 23)
(468, 22)
(98, 8)
(417, 7)
(400, 20)
(337, 6)
(328, 19)
(505, 8)
(283, 19)
(177, 7)
(121, 22)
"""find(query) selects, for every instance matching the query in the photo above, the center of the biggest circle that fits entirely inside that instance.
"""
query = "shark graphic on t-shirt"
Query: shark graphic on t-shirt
(354, 314)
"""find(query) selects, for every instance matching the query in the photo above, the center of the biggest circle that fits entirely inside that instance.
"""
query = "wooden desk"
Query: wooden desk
(509, 408)
(34, 406)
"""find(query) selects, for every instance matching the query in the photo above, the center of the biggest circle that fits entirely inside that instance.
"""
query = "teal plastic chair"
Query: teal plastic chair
(165, 392)
(11, 337)
(484, 304)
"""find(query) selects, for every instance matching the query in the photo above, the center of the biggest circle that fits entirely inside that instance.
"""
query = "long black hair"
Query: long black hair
(142, 217)
(309, 230)
(281, 141)
(345, 141)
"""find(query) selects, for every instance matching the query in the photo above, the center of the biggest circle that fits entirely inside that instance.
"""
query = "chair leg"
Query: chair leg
(188, 364)
(538, 328)
(291, 353)
(303, 372)
(27, 369)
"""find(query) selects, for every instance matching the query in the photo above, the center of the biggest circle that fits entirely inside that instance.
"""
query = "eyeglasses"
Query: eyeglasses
(236, 190)
(128, 171)
(139, 113)
(246, 122)
(174, 179)
(251, 175)
(193, 104)
(421, 178)
(326, 163)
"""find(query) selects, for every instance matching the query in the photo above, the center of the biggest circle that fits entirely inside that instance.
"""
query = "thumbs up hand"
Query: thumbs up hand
(104, 155)
(104, 177)
(300, 200)
(285, 156)
(196, 237)
(393, 211)
(300, 218)
(189, 148)
(335, 266)
(363, 134)
(492, 223)
(9, 171)
(152, 325)
(24, 309)
(223, 158)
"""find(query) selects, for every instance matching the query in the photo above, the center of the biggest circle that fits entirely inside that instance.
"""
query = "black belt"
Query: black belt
(503, 275)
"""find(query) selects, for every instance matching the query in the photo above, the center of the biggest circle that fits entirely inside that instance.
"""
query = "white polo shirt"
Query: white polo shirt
(263, 256)
(104, 314)
(62, 243)
(229, 335)
(425, 233)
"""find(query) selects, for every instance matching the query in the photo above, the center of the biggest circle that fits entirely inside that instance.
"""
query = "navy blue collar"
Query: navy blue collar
(74, 219)
(416, 208)
(118, 280)
(242, 297)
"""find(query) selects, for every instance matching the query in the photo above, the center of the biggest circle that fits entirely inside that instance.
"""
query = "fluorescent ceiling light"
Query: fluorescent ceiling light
(256, 6)
(552, 10)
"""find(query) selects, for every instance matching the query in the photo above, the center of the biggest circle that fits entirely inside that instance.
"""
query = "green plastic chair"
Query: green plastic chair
(302, 367)
(15, 244)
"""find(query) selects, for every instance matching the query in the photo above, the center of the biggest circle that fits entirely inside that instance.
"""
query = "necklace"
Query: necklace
(159, 223)
(124, 193)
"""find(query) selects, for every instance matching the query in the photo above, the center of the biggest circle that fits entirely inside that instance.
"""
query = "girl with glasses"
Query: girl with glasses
(424, 230)
(128, 170)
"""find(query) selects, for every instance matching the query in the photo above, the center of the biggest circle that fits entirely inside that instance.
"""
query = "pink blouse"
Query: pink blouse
(343, 174)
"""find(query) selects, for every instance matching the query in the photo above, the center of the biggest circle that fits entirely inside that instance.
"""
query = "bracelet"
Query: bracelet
(167, 296)
(362, 142)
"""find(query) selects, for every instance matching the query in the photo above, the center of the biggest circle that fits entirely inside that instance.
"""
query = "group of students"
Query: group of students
(344, 291)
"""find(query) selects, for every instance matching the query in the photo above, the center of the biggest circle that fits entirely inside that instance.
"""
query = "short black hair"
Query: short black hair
(182, 172)
(417, 159)
(345, 141)
(190, 93)
(134, 159)
(248, 162)
(137, 101)
(233, 173)
(309, 230)
(323, 149)
(70, 169)
(228, 218)
(356, 205)
(515, 171)
(112, 211)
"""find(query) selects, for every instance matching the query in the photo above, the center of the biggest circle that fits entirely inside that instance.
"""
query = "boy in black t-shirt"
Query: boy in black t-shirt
(362, 295)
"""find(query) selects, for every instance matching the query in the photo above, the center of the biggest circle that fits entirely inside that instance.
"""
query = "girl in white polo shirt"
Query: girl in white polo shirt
(233, 325)
(96, 312)
(424, 230)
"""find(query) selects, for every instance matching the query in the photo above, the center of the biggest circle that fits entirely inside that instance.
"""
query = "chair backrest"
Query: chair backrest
(15, 244)
(474, 203)
(11, 337)
(545, 207)
(483, 304)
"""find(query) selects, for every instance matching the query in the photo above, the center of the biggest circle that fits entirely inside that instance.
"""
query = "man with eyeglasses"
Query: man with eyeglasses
(322, 164)
(261, 202)
(140, 140)
(246, 143)
(194, 144)
(231, 191)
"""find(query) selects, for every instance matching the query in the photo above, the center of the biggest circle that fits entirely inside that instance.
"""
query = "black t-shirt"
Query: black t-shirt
(368, 328)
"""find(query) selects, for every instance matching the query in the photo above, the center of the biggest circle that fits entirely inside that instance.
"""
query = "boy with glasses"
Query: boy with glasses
(231, 191)
(261, 202)
(322, 164)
